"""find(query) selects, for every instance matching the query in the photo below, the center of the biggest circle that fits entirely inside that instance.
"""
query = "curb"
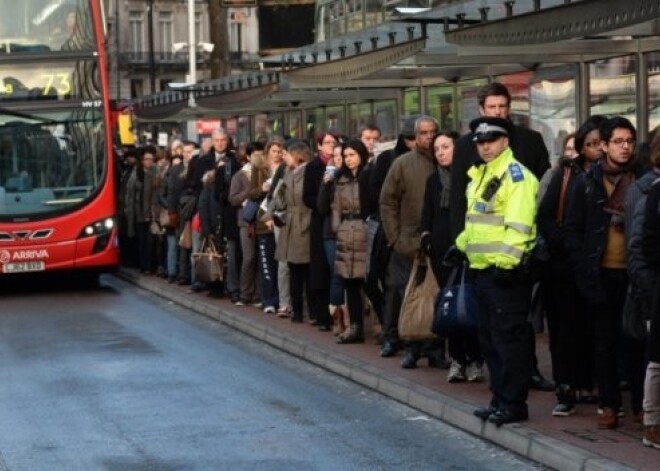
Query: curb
(526, 442)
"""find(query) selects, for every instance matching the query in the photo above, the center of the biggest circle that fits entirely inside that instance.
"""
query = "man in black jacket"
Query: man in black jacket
(220, 149)
(378, 250)
(222, 160)
(528, 148)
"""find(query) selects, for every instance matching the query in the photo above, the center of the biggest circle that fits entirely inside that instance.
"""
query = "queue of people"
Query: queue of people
(337, 229)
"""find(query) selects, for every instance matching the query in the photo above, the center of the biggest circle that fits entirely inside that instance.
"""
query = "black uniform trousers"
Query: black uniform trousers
(504, 338)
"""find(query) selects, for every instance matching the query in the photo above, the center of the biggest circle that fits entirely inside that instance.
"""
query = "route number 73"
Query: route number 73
(58, 81)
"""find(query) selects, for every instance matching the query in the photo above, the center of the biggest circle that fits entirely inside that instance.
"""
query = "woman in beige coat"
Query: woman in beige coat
(351, 230)
(293, 241)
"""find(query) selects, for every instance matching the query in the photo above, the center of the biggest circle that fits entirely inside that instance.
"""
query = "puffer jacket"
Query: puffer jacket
(293, 242)
(401, 201)
(642, 273)
(351, 230)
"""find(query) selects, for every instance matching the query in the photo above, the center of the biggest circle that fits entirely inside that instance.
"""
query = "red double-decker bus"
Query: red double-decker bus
(57, 195)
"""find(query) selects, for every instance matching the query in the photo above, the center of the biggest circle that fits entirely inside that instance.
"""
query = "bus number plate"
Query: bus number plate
(23, 267)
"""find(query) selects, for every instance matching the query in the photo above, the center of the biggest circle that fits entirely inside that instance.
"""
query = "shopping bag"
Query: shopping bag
(417, 307)
(185, 239)
(208, 263)
(457, 307)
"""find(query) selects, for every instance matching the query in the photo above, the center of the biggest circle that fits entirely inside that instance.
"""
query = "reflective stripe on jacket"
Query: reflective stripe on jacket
(500, 231)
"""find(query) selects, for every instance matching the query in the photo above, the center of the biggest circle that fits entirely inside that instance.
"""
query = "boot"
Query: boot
(354, 334)
(346, 319)
(565, 401)
(336, 316)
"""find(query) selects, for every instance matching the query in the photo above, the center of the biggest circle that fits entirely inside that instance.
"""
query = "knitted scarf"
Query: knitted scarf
(621, 177)
(445, 180)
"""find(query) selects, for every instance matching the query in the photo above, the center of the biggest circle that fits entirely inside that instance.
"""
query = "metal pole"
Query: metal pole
(642, 89)
(118, 51)
(192, 50)
(152, 57)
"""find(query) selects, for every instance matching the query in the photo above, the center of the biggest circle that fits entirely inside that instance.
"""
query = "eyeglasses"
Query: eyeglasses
(620, 142)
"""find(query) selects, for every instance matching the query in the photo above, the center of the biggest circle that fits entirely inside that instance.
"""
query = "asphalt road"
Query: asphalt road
(116, 379)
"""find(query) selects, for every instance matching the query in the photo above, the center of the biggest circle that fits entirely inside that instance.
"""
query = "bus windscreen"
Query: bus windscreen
(50, 162)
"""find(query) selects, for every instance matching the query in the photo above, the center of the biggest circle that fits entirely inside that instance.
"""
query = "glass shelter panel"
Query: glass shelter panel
(294, 125)
(386, 117)
(553, 111)
(411, 101)
(440, 105)
(314, 124)
(468, 108)
(612, 85)
(335, 119)
(653, 61)
(359, 115)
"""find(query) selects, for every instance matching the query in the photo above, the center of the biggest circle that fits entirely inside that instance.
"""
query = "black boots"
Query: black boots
(354, 334)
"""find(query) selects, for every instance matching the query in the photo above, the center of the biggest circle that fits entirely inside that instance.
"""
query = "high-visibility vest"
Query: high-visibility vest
(499, 230)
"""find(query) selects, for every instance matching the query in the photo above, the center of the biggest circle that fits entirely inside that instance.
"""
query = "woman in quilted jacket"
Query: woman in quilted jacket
(351, 230)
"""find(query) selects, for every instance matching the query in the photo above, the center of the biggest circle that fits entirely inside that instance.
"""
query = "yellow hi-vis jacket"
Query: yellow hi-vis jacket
(500, 231)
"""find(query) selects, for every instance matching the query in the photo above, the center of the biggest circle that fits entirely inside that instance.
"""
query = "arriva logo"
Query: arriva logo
(5, 256)
(27, 255)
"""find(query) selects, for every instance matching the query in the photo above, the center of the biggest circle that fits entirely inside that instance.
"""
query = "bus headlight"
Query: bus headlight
(98, 228)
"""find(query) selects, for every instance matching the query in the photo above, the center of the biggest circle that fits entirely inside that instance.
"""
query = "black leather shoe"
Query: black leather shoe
(325, 328)
(389, 349)
(485, 412)
(438, 360)
(409, 361)
(506, 416)
(539, 383)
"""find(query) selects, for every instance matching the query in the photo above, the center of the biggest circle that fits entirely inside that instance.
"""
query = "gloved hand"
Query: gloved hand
(504, 276)
(425, 244)
(454, 257)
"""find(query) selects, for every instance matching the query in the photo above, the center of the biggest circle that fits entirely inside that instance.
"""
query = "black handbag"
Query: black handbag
(457, 306)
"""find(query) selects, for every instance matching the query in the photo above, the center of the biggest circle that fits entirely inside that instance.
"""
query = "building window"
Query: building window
(164, 84)
(137, 88)
(165, 29)
(136, 21)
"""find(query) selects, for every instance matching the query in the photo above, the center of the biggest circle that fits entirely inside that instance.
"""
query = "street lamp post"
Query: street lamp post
(152, 58)
(192, 51)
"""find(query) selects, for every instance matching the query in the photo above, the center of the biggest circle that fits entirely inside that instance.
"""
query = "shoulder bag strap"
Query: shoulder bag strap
(562, 195)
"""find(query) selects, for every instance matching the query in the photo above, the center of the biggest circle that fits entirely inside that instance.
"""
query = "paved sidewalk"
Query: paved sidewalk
(571, 443)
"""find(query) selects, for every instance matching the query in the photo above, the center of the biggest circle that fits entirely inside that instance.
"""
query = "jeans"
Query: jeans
(336, 281)
(652, 394)
(269, 288)
(172, 254)
(196, 247)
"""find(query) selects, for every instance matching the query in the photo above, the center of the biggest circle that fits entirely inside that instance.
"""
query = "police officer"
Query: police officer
(497, 239)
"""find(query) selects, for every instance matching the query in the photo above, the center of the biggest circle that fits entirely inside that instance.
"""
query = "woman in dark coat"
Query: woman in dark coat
(351, 230)
(436, 239)
(570, 341)
(319, 271)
